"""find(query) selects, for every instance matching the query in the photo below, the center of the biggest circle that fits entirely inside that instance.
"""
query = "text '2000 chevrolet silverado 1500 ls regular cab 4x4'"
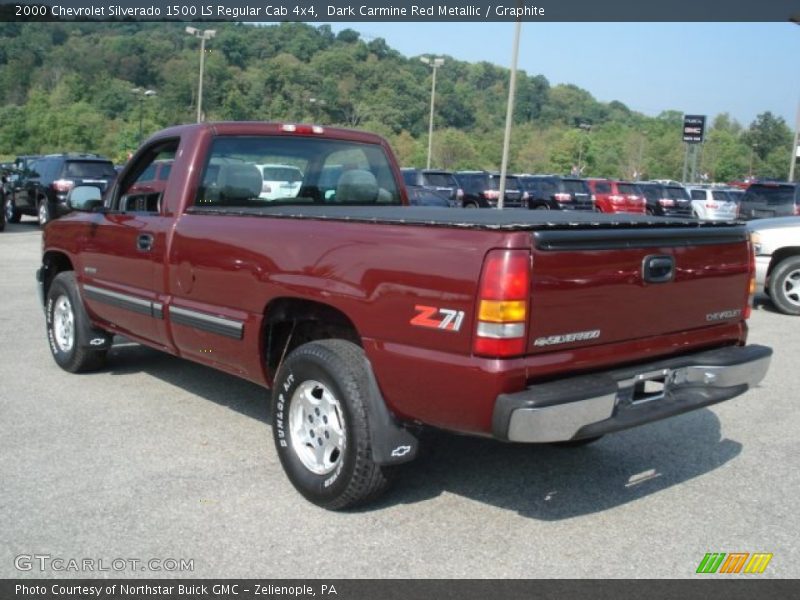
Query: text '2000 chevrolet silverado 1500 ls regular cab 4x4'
(370, 320)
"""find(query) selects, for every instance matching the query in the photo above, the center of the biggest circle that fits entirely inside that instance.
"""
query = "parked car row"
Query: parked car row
(38, 185)
(707, 202)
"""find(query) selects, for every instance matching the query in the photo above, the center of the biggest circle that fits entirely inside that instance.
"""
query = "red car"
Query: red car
(617, 196)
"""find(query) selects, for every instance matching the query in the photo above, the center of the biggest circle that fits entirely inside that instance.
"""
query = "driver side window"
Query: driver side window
(143, 186)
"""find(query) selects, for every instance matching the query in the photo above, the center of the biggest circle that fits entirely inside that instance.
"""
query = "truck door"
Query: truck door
(123, 270)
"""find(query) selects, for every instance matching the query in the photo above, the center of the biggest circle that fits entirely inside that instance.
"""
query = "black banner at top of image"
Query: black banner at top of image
(400, 10)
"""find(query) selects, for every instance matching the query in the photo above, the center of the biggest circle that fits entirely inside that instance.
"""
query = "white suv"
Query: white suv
(713, 204)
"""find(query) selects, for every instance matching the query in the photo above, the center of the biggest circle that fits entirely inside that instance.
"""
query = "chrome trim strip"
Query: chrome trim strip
(211, 323)
(125, 301)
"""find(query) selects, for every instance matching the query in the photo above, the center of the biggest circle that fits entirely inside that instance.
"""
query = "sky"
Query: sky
(697, 68)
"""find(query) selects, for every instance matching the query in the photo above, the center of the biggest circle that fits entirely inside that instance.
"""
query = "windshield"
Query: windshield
(257, 171)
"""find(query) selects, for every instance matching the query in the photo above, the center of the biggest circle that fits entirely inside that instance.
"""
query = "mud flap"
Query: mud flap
(392, 444)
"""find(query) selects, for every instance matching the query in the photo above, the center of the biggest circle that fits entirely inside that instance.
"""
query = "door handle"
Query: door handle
(144, 242)
(658, 269)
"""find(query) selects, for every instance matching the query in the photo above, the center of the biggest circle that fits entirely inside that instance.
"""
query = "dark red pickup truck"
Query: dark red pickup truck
(370, 320)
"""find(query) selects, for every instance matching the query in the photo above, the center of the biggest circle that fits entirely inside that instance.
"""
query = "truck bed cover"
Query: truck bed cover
(489, 219)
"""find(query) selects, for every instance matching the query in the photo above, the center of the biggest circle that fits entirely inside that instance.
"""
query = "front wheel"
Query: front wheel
(43, 212)
(320, 425)
(784, 285)
(76, 346)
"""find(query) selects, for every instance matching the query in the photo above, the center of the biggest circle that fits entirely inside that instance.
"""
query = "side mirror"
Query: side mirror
(84, 198)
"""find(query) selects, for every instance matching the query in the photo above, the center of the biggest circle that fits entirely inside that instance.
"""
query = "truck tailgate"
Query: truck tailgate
(612, 285)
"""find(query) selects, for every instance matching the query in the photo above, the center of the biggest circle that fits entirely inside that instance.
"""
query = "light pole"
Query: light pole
(512, 86)
(142, 93)
(752, 153)
(434, 63)
(794, 145)
(203, 34)
(587, 127)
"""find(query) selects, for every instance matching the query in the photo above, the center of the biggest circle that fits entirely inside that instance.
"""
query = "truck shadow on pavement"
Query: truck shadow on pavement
(538, 481)
(553, 483)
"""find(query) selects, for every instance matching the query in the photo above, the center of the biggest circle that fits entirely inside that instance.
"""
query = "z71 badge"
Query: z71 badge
(434, 317)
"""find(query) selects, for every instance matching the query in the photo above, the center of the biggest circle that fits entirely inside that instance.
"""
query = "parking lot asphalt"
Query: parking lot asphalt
(158, 458)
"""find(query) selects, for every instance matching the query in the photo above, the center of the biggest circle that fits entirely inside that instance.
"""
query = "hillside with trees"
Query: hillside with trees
(67, 87)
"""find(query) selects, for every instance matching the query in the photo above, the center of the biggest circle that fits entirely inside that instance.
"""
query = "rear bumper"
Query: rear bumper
(592, 405)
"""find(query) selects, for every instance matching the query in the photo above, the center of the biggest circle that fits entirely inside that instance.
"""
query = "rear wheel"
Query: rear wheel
(470, 205)
(784, 285)
(10, 209)
(320, 425)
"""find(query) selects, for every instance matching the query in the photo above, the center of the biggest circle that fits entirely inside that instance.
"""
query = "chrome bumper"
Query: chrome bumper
(591, 405)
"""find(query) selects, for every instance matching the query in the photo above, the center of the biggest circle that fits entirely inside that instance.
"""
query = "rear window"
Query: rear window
(629, 189)
(512, 183)
(602, 187)
(772, 195)
(89, 168)
(440, 179)
(575, 186)
(699, 194)
(651, 192)
(322, 172)
(548, 187)
(676, 193)
(720, 195)
(410, 177)
(281, 173)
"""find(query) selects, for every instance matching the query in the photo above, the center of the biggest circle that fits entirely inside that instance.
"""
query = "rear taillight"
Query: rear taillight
(525, 195)
(751, 289)
(797, 209)
(563, 197)
(503, 304)
(666, 202)
(63, 185)
(459, 193)
(491, 194)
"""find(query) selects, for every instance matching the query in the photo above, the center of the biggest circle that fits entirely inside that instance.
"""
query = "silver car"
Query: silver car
(712, 204)
(777, 248)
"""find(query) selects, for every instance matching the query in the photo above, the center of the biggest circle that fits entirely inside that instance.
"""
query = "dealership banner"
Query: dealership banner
(397, 10)
(392, 589)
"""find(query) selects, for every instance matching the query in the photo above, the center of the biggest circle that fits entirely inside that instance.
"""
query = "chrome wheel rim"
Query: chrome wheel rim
(316, 426)
(791, 287)
(63, 324)
(44, 215)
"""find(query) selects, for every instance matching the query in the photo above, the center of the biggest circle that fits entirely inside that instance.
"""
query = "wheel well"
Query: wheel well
(291, 322)
(54, 263)
(780, 255)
